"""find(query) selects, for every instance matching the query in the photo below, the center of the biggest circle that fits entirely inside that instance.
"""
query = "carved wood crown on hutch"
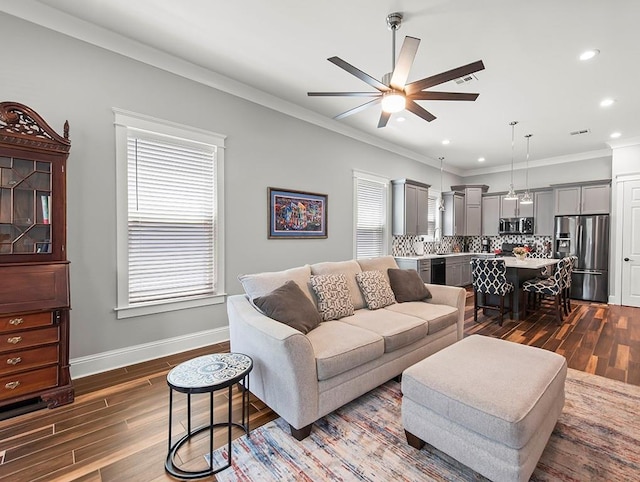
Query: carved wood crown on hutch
(23, 128)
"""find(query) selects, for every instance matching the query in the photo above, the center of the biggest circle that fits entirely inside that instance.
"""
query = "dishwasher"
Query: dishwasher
(438, 271)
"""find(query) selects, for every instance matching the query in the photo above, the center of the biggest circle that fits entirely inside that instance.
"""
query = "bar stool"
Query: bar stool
(490, 278)
(566, 292)
(552, 286)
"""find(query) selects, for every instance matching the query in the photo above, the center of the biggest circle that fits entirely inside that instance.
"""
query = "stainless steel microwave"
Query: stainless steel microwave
(516, 226)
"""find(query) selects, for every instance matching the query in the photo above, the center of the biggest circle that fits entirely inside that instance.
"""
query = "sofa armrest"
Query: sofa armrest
(284, 374)
(451, 296)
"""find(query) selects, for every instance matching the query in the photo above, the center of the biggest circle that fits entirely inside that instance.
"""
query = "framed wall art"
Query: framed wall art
(297, 214)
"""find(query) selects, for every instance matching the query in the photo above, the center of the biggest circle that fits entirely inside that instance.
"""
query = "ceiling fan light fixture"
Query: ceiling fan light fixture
(393, 102)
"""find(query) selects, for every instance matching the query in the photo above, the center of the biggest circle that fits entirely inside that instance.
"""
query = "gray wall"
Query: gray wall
(62, 78)
(544, 176)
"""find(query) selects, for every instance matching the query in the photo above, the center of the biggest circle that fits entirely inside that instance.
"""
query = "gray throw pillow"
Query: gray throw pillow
(289, 305)
(407, 285)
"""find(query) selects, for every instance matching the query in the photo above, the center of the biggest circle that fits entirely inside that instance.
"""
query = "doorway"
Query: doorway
(630, 281)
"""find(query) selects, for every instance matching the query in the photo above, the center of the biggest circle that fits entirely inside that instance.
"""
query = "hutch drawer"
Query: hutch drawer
(27, 359)
(28, 338)
(18, 384)
(20, 322)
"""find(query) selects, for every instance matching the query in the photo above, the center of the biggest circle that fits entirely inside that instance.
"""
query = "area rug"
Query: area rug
(596, 438)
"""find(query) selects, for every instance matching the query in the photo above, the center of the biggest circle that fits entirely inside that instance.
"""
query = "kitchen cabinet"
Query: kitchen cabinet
(543, 213)
(453, 221)
(472, 208)
(582, 199)
(490, 215)
(34, 298)
(458, 270)
(410, 201)
(512, 208)
(421, 265)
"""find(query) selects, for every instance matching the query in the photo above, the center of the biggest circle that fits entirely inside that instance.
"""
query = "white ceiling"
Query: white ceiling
(530, 50)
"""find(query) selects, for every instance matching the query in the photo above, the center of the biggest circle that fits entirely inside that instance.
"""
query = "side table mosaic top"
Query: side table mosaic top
(204, 372)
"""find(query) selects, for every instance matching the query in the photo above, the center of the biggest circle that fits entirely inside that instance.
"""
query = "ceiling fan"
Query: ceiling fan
(393, 92)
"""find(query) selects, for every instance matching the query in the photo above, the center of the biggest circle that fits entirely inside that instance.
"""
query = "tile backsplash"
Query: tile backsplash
(404, 245)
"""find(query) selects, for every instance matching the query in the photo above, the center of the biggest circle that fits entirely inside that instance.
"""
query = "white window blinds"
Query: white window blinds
(371, 217)
(433, 212)
(171, 218)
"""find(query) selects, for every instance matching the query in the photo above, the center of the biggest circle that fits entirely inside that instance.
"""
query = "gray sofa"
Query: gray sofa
(303, 377)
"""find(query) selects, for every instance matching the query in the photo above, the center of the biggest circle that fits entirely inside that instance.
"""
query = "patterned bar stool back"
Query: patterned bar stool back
(552, 286)
(490, 276)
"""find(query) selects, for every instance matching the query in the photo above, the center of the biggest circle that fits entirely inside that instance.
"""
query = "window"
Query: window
(370, 211)
(170, 250)
(433, 221)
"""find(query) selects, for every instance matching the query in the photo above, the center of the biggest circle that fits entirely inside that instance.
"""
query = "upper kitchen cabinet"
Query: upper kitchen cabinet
(472, 207)
(592, 198)
(453, 221)
(410, 207)
(543, 223)
(490, 215)
(512, 208)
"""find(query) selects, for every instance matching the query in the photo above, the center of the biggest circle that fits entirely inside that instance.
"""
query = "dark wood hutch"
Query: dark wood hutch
(34, 271)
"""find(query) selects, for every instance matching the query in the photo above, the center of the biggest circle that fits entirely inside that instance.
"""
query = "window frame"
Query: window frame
(124, 122)
(386, 182)
(437, 216)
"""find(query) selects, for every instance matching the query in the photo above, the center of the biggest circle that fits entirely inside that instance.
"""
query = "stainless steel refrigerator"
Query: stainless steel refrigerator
(586, 237)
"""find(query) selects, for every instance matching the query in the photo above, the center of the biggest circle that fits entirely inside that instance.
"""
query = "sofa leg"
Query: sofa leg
(415, 442)
(300, 433)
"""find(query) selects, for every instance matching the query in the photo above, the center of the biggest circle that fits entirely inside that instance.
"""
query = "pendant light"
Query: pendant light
(441, 202)
(511, 195)
(526, 197)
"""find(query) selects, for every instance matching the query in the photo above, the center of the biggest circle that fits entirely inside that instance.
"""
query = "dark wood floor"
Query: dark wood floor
(116, 430)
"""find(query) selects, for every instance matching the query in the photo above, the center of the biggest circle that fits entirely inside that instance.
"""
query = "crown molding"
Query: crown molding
(628, 142)
(45, 16)
(583, 156)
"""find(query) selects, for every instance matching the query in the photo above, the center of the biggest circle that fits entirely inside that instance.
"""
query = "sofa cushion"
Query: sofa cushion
(339, 347)
(376, 290)
(381, 263)
(407, 285)
(289, 305)
(396, 329)
(437, 317)
(334, 300)
(348, 268)
(261, 284)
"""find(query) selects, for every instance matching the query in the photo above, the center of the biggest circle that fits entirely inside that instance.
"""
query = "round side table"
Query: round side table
(207, 374)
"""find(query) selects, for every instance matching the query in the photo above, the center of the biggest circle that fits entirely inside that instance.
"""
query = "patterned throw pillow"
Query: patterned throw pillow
(376, 290)
(334, 300)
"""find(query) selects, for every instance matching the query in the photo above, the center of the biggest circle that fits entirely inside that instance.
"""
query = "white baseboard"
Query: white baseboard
(109, 360)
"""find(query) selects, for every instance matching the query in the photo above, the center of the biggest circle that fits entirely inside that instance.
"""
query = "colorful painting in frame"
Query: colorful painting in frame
(297, 214)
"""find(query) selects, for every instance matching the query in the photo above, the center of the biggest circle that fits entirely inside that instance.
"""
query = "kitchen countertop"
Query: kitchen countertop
(448, 255)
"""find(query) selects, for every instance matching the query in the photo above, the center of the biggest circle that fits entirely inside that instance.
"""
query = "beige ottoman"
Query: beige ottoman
(488, 403)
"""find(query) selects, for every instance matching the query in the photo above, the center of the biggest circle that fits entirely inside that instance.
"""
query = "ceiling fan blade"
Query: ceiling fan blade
(404, 62)
(344, 94)
(443, 77)
(384, 118)
(419, 111)
(359, 108)
(359, 73)
(427, 95)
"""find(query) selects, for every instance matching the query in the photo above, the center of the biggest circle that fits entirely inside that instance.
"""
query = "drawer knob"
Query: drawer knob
(16, 321)
(14, 340)
(12, 385)
(14, 361)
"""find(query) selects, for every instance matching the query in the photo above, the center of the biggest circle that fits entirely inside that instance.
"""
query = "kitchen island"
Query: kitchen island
(520, 271)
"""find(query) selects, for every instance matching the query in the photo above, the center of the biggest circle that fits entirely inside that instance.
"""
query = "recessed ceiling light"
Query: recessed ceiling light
(480, 159)
(606, 102)
(400, 119)
(589, 54)
(446, 142)
(615, 135)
